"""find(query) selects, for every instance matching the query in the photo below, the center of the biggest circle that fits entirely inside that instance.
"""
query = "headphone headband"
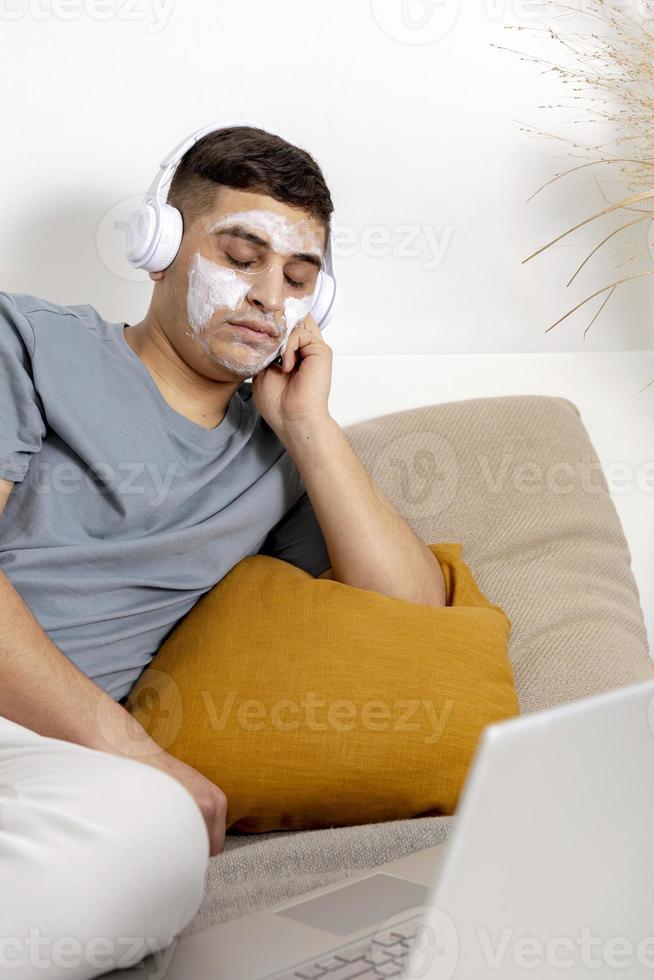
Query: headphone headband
(168, 164)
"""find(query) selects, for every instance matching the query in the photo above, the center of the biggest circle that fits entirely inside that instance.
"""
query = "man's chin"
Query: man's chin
(233, 367)
(240, 361)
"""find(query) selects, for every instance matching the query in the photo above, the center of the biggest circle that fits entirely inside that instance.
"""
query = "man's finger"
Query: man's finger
(217, 837)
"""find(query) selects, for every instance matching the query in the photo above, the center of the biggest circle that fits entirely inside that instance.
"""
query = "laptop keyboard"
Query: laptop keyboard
(382, 954)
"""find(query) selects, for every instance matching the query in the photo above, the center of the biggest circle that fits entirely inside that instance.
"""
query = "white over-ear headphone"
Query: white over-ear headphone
(153, 232)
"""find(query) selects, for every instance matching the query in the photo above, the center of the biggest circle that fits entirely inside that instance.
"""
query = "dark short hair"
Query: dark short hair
(248, 158)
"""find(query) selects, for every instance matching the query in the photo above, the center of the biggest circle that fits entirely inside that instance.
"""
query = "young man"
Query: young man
(138, 465)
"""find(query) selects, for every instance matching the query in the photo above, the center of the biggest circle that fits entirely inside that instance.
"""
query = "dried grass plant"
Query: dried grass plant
(609, 73)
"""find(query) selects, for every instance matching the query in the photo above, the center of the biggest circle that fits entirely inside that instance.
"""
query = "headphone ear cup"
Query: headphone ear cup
(325, 300)
(166, 245)
(139, 234)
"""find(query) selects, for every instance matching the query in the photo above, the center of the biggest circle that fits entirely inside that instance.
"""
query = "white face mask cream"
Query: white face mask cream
(283, 236)
(213, 287)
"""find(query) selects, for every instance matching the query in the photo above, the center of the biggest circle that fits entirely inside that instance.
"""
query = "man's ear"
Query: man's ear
(155, 276)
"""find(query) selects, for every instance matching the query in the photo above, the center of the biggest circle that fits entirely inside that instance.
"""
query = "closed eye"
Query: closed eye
(246, 265)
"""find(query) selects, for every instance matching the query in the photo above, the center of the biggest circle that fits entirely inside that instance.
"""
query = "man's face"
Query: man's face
(250, 258)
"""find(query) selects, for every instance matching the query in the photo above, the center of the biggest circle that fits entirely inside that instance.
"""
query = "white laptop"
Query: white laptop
(548, 872)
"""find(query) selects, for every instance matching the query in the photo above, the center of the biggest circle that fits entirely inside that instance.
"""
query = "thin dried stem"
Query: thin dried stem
(581, 166)
(614, 207)
(638, 275)
(604, 240)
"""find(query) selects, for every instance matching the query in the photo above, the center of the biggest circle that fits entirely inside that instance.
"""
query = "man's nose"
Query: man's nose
(267, 290)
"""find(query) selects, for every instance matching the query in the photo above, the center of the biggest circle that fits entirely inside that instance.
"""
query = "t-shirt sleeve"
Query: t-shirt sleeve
(298, 539)
(22, 425)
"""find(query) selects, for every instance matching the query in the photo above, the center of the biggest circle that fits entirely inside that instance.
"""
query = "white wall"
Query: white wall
(425, 135)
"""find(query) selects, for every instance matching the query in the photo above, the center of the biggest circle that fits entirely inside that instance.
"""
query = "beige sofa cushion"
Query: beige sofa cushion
(517, 481)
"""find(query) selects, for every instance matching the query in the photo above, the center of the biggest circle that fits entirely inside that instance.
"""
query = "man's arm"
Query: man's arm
(370, 544)
(5, 489)
(41, 689)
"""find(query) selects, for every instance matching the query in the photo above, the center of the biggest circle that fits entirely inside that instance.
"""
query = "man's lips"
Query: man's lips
(261, 328)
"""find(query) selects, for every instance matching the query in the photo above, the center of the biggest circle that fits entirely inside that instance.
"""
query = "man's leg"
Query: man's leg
(102, 859)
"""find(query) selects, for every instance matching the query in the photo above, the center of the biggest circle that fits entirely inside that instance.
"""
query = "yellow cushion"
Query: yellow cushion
(316, 704)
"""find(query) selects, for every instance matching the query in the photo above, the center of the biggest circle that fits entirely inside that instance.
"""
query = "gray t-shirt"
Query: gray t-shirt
(124, 512)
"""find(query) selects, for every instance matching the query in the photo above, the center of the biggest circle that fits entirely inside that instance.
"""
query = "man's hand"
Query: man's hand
(209, 797)
(284, 396)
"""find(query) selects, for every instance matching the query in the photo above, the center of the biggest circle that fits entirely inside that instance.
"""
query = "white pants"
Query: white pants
(102, 859)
